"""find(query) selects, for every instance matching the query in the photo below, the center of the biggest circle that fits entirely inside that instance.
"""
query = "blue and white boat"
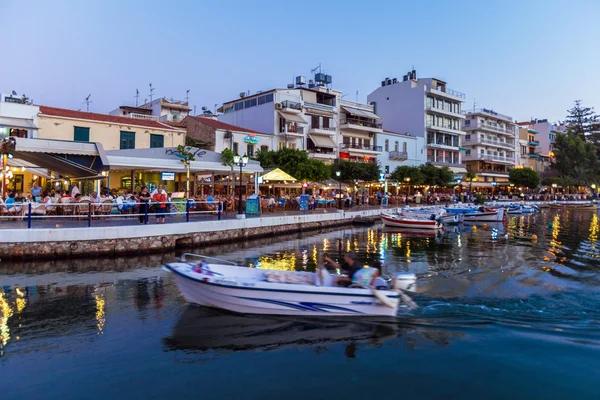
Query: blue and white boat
(257, 291)
(436, 213)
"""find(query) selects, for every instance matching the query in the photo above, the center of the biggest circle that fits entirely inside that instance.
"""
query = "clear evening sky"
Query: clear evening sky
(525, 58)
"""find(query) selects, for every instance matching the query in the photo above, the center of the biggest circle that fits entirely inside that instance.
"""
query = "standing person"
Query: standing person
(144, 198)
(74, 190)
(160, 198)
(36, 191)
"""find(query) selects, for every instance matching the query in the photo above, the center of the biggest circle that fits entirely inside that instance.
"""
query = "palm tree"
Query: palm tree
(471, 176)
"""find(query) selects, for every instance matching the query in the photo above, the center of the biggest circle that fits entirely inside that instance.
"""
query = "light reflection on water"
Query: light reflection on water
(468, 280)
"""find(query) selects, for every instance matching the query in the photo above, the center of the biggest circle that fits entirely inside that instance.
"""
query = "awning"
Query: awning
(322, 141)
(172, 165)
(56, 147)
(17, 123)
(34, 169)
(278, 175)
(459, 170)
(292, 117)
(361, 113)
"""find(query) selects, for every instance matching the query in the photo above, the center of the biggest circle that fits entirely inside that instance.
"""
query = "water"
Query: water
(500, 317)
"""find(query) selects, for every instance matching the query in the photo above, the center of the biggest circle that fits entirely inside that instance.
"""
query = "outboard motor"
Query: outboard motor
(405, 281)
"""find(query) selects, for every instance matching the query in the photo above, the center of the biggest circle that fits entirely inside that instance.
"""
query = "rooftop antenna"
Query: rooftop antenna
(194, 110)
(137, 97)
(312, 71)
(14, 93)
(216, 104)
(87, 102)
(474, 105)
(187, 97)
(357, 96)
(151, 91)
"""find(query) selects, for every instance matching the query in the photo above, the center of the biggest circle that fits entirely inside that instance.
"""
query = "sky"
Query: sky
(524, 58)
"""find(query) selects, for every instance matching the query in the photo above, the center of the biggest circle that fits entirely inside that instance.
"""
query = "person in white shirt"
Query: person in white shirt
(74, 190)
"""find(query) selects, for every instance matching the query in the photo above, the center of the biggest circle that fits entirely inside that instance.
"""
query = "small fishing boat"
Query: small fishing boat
(453, 219)
(228, 286)
(573, 206)
(437, 213)
(415, 222)
(485, 215)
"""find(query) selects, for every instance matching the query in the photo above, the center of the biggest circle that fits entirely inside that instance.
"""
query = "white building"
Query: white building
(18, 117)
(359, 127)
(399, 149)
(492, 146)
(424, 108)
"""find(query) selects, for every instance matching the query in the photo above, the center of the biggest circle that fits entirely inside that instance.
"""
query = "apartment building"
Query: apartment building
(399, 149)
(18, 117)
(304, 117)
(531, 153)
(359, 126)
(491, 144)
(427, 108)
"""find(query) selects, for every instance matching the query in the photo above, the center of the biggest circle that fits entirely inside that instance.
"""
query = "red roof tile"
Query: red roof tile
(222, 125)
(66, 113)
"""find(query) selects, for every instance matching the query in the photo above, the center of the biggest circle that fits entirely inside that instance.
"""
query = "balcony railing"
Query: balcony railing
(144, 116)
(430, 108)
(357, 105)
(398, 155)
(497, 143)
(298, 130)
(358, 121)
(451, 92)
(360, 147)
(319, 106)
(445, 164)
(437, 143)
(488, 112)
(324, 128)
(291, 104)
(489, 171)
(431, 126)
(487, 157)
(533, 143)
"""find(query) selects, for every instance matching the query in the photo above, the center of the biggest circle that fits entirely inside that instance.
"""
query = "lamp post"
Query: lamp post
(6, 154)
(407, 181)
(554, 186)
(494, 183)
(240, 162)
(338, 174)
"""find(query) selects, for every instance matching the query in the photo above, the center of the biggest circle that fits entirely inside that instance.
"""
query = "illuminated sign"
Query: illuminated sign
(167, 176)
(251, 138)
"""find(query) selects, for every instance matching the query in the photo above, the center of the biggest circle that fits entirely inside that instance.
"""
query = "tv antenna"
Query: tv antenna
(14, 93)
(312, 71)
(137, 97)
(151, 91)
(87, 102)
(187, 97)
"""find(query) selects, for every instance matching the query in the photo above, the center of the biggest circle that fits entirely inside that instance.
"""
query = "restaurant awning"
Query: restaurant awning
(361, 113)
(17, 123)
(322, 141)
(292, 117)
(278, 175)
(458, 170)
(34, 169)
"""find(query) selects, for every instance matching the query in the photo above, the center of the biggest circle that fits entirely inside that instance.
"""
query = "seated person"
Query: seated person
(368, 277)
(349, 267)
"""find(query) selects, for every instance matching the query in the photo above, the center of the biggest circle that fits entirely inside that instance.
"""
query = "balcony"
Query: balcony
(491, 172)
(144, 117)
(489, 128)
(361, 148)
(447, 92)
(358, 124)
(446, 164)
(533, 155)
(318, 154)
(443, 145)
(322, 130)
(444, 112)
(533, 143)
(321, 107)
(445, 129)
(291, 106)
(489, 158)
(532, 131)
(398, 155)
(491, 113)
(295, 132)
(497, 143)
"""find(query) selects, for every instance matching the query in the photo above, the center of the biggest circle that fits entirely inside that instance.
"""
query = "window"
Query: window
(250, 150)
(81, 134)
(429, 102)
(239, 106)
(468, 122)
(157, 141)
(264, 148)
(127, 140)
(396, 146)
(269, 98)
(261, 100)
(235, 148)
(404, 147)
(387, 145)
(387, 169)
(247, 104)
(430, 120)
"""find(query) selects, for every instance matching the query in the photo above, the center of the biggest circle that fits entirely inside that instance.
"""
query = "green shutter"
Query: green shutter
(127, 140)
(81, 134)
(157, 141)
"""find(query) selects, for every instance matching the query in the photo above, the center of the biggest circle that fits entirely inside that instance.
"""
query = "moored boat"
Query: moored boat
(573, 206)
(257, 291)
(485, 216)
(414, 222)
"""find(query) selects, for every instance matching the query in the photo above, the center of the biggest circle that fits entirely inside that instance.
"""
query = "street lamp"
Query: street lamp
(240, 162)
(494, 183)
(338, 174)
(554, 186)
(407, 180)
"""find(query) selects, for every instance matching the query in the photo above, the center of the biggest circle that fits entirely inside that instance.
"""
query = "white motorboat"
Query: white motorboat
(257, 291)
(437, 213)
(485, 216)
(418, 222)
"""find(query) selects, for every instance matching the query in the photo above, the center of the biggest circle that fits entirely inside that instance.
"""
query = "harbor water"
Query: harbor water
(502, 315)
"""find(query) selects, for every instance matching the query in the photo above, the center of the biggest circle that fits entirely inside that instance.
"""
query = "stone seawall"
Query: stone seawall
(124, 241)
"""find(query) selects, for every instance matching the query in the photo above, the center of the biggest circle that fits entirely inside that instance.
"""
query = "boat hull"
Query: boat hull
(486, 216)
(574, 207)
(411, 223)
(246, 297)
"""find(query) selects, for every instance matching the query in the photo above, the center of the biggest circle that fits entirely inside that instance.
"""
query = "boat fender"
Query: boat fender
(534, 238)
(474, 228)
(484, 226)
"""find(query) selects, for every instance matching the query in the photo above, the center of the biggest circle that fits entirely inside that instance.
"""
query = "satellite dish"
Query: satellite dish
(14, 93)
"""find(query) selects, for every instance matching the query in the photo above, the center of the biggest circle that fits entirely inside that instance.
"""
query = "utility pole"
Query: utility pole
(137, 97)
(151, 91)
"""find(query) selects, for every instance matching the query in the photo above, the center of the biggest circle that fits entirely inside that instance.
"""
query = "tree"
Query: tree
(404, 171)
(434, 176)
(296, 163)
(470, 177)
(576, 159)
(580, 119)
(227, 159)
(355, 171)
(526, 177)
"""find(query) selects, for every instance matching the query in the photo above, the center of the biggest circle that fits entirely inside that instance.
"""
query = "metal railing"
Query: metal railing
(324, 128)
(360, 147)
(436, 143)
(533, 143)
(489, 127)
(299, 130)
(488, 112)
(449, 91)
(359, 122)
(144, 116)
(445, 164)
(432, 126)
(291, 104)
(398, 155)
(319, 106)
(488, 157)
(109, 209)
(488, 171)
(357, 105)
(431, 108)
